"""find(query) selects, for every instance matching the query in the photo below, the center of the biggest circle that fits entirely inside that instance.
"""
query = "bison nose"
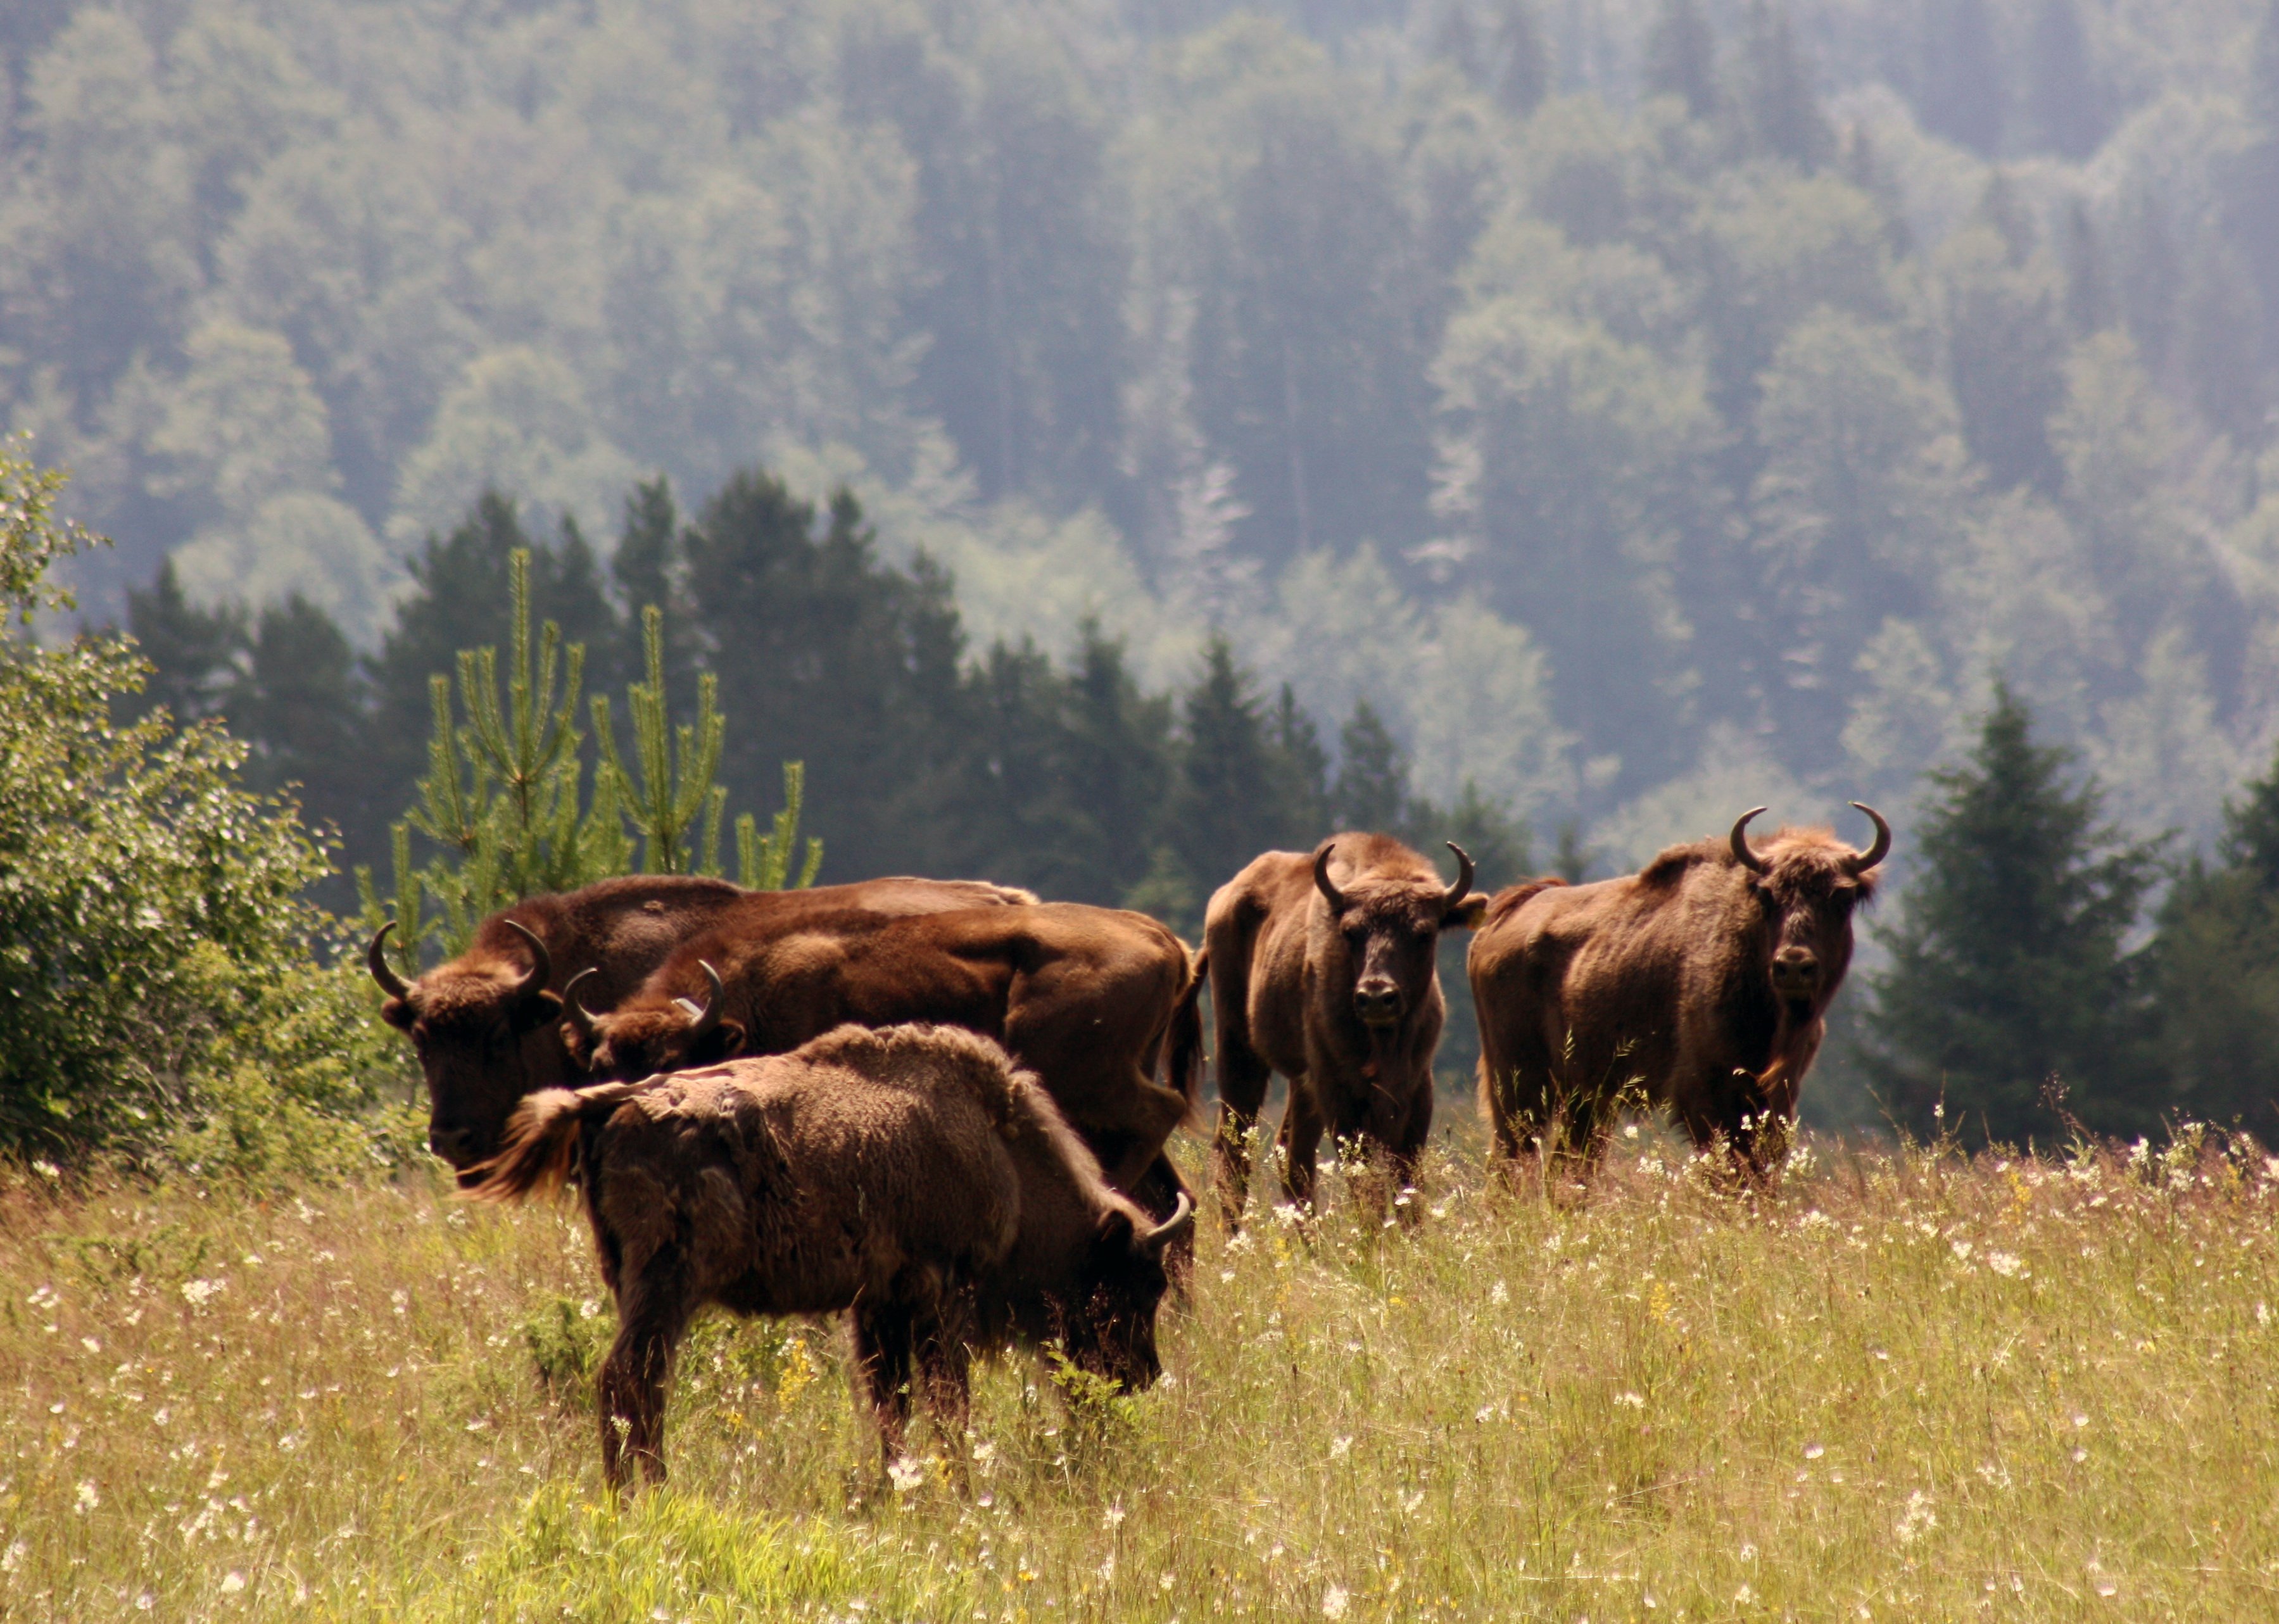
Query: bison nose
(455, 1146)
(1378, 1001)
(1796, 970)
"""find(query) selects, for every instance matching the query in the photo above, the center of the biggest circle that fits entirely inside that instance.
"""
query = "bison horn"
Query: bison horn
(1742, 854)
(1182, 1220)
(703, 1019)
(382, 971)
(541, 963)
(1462, 888)
(574, 1007)
(1877, 852)
(1322, 881)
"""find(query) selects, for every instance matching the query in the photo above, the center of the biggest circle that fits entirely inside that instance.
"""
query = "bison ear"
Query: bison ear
(1116, 1230)
(733, 1037)
(399, 1014)
(1467, 914)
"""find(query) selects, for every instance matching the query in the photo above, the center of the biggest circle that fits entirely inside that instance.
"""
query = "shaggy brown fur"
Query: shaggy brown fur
(1345, 1002)
(1694, 984)
(1087, 998)
(485, 1041)
(910, 1176)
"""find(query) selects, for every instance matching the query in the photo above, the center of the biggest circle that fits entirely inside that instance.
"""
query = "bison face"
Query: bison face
(1109, 1329)
(1807, 887)
(1383, 935)
(646, 1038)
(483, 1034)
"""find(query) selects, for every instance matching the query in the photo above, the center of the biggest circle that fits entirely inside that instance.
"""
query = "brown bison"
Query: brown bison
(1322, 967)
(487, 1025)
(1700, 983)
(911, 1176)
(1087, 998)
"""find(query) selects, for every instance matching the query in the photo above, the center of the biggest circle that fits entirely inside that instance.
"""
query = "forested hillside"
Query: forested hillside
(1649, 408)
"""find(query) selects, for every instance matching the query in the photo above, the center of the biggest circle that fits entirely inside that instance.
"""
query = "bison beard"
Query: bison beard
(911, 1178)
(1702, 983)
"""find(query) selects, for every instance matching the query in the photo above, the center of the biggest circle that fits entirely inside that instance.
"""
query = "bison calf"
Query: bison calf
(911, 1176)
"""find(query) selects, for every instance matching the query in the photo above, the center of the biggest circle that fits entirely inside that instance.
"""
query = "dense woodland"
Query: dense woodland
(1102, 440)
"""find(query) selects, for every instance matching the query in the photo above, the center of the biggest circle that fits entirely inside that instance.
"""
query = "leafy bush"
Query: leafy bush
(160, 974)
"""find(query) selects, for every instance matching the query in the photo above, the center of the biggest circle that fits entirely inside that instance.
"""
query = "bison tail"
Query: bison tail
(541, 1143)
(1184, 1064)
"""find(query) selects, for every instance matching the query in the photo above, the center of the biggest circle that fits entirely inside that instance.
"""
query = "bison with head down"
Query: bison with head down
(1702, 983)
(487, 1025)
(1323, 967)
(910, 1178)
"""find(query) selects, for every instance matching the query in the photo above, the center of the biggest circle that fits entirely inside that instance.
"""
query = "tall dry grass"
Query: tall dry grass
(1909, 1386)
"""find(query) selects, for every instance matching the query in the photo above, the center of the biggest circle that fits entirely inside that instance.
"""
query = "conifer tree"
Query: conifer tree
(2216, 962)
(1226, 804)
(1301, 772)
(2062, 102)
(678, 766)
(1371, 792)
(194, 651)
(1963, 97)
(301, 704)
(1783, 113)
(1681, 57)
(1117, 766)
(1522, 63)
(2008, 964)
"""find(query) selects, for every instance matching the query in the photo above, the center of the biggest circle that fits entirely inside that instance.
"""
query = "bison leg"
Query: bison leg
(1299, 1141)
(652, 1317)
(1243, 1078)
(885, 1345)
(1407, 1150)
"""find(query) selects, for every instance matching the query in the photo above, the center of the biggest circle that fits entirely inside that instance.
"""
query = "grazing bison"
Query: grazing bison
(1322, 967)
(1700, 983)
(1087, 998)
(909, 1176)
(487, 1025)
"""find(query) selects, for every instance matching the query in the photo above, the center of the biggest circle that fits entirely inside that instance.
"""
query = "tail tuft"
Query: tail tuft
(542, 1143)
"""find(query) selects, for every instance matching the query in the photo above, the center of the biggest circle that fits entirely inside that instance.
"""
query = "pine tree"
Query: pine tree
(301, 703)
(1227, 802)
(1785, 117)
(2062, 102)
(1681, 57)
(1301, 814)
(1963, 98)
(195, 652)
(1117, 766)
(2216, 961)
(1371, 792)
(2008, 966)
(1522, 63)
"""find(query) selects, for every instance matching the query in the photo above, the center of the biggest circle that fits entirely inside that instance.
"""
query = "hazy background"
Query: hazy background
(1651, 410)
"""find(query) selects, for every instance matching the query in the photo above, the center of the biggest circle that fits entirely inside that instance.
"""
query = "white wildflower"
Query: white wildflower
(1339, 1446)
(89, 1499)
(2007, 1264)
(198, 1294)
(1813, 1451)
(1498, 1294)
(1334, 1602)
(232, 1582)
(1917, 1520)
(905, 1475)
(1629, 1400)
(12, 1558)
(1962, 1250)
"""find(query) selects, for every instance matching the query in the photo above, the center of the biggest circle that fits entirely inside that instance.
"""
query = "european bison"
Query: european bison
(1087, 998)
(1700, 983)
(911, 1176)
(1322, 967)
(487, 1025)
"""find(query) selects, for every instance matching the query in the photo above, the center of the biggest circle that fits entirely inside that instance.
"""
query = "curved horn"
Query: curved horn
(1882, 848)
(1462, 888)
(541, 963)
(383, 972)
(1182, 1220)
(1322, 876)
(1742, 854)
(702, 1020)
(572, 1006)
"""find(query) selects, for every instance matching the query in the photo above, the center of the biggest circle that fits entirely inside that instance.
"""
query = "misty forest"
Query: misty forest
(1102, 440)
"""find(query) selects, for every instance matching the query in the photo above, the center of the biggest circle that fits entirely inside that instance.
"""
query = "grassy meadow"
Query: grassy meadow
(1906, 1386)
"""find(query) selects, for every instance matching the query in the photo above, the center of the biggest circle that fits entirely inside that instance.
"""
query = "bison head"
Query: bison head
(646, 1037)
(1806, 884)
(481, 1026)
(1385, 933)
(1108, 1329)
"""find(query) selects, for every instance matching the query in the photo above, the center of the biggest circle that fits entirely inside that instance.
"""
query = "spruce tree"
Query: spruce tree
(2216, 961)
(1522, 63)
(301, 703)
(2062, 102)
(1371, 792)
(1226, 804)
(1681, 57)
(194, 652)
(1301, 812)
(1118, 767)
(2008, 964)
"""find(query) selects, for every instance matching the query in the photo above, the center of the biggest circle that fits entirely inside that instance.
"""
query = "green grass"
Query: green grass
(1907, 1387)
